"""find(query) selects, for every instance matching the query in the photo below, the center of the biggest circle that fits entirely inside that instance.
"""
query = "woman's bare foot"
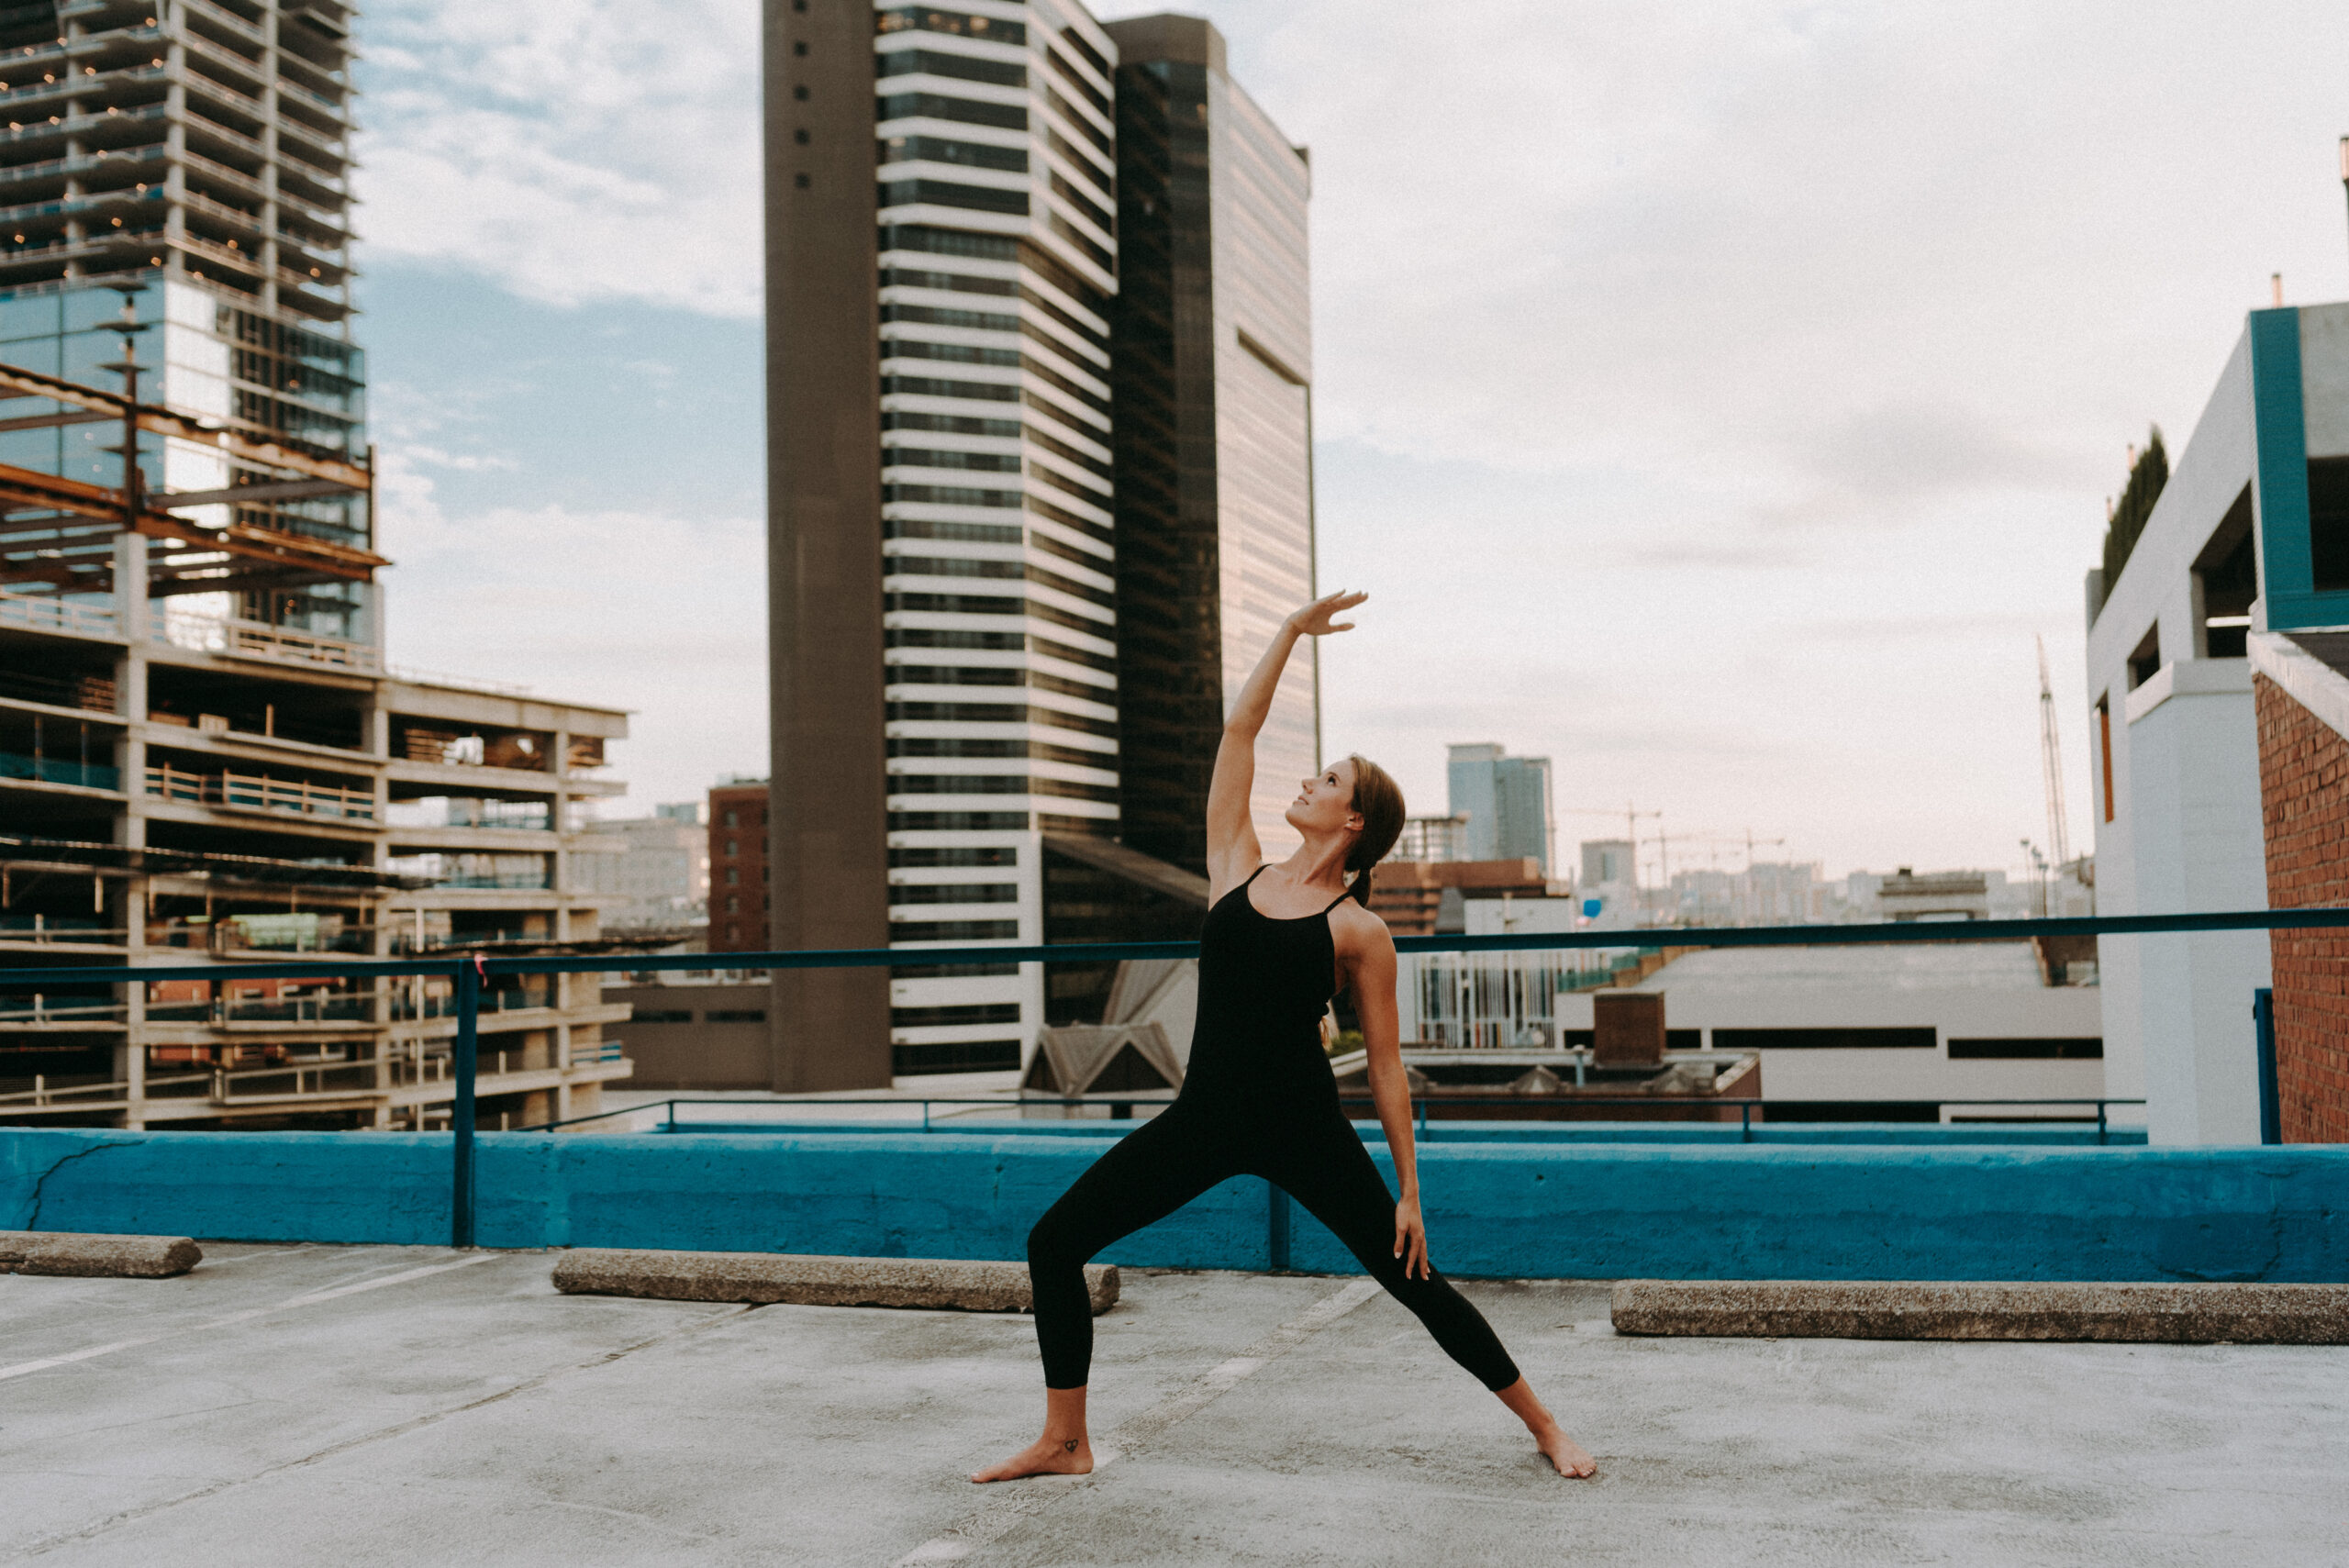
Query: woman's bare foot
(1063, 1450)
(1560, 1450)
(1568, 1455)
(1045, 1456)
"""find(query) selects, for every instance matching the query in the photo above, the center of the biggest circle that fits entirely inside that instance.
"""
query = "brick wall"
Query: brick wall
(2304, 801)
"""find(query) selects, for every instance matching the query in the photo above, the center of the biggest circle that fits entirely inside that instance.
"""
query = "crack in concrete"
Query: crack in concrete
(398, 1428)
(40, 1182)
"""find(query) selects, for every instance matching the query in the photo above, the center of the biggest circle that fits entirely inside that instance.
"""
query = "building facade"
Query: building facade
(738, 880)
(2234, 567)
(948, 360)
(274, 801)
(660, 876)
(1507, 802)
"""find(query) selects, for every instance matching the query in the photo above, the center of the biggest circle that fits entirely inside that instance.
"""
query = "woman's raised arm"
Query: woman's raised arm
(1233, 853)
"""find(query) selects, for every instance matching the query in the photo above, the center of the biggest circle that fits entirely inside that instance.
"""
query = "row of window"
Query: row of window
(1000, 784)
(960, 24)
(955, 532)
(989, 604)
(955, 855)
(997, 642)
(995, 675)
(954, 892)
(946, 192)
(961, 67)
(965, 566)
(956, 930)
(972, 747)
(967, 1013)
(996, 247)
(943, 149)
(996, 712)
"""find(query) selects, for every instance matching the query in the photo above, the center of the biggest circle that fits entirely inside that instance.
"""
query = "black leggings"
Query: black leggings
(1316, 1159)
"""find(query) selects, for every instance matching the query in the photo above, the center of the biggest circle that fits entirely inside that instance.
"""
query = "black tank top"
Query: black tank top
(1264, 986)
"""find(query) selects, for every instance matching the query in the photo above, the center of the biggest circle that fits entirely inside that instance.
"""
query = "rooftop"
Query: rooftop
(298, 1404)
(1956, 965)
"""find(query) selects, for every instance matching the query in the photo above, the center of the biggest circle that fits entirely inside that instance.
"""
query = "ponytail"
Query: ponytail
(1380, 800)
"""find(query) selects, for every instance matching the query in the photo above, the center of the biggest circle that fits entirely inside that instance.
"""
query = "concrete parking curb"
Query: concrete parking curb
(1902, 1309)
(96, 1257)
(766, 1278)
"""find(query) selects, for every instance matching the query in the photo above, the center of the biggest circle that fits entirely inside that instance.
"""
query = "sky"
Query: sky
(1718, 398)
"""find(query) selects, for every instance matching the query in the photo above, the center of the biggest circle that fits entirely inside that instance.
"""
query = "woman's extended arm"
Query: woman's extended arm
(1372, 976)
(1233, 853)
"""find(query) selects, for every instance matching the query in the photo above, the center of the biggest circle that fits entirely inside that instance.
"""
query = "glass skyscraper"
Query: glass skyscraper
(1507, 802)
(193, 160)
(1025, 540)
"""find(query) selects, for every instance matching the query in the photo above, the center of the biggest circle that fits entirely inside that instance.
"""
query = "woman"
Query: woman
(1279, 941)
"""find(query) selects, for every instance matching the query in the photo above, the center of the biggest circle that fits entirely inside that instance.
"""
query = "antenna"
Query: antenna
(2051, 763)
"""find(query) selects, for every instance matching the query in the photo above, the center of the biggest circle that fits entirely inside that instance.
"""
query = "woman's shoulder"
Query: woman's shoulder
(1359, 928)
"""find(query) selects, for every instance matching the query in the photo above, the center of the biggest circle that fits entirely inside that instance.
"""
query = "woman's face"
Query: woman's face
(1325, 802)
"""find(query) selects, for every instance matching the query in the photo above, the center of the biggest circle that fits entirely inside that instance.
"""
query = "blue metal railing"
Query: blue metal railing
(471, 970)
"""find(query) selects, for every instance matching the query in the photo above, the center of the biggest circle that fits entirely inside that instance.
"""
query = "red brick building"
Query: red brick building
(737, 866)
(2302, 695)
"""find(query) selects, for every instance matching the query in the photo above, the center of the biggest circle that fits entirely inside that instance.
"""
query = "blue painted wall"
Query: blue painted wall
(1497, 1208)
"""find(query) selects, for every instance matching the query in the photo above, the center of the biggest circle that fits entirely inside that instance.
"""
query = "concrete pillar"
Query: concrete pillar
(2195, 828)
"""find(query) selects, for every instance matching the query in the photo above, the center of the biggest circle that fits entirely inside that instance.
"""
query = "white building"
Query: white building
(2228, 565)
(1951, 1025)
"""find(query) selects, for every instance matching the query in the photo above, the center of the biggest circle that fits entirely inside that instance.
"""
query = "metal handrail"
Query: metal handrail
(470, 971)
(1419, 1102)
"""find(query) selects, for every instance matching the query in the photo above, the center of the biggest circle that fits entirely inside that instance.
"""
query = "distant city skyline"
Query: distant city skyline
(1556, 442)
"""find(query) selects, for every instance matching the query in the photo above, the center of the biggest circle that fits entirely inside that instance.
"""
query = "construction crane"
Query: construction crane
(2051, 764)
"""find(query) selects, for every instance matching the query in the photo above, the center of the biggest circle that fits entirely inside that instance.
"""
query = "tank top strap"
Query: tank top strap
(1257, 872)
(1341, 898)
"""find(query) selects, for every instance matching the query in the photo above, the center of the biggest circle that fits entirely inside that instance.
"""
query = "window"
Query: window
(955, 893)
(954, 1056)
(733, 902)
(735, 1016)
(732, 845)
(949, 423)
(931, 1017)
(2226, 580)
(729, 821)
(962, 25)
(962, 67)
(957, 353)
(1825, 1040)
(733, 877)
(939, 150)
(957, 930)
(2329, 523)
(2078, 1049)
(945, 193)
(662, 1016)
(938, 107)
(954, 857)
(2146, 661)
(2104, 748)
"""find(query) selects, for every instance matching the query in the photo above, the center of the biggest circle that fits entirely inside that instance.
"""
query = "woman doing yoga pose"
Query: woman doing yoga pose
(1258, 1097)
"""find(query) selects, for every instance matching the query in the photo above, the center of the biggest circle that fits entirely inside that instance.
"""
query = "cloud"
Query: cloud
(665, 616)
(574, 149)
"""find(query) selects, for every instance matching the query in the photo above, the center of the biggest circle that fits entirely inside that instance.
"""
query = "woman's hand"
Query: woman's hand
(1314, 619)
(1412, 1238)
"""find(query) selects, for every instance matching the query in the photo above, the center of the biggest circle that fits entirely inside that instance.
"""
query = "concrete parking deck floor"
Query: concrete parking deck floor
(300, 1405)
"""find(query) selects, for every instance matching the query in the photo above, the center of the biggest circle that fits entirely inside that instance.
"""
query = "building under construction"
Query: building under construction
(203, 755)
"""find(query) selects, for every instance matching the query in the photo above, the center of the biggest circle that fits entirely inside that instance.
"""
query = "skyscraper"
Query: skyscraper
(1507, 802)
(1213, 354)
(947, 366)
(193, 161)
